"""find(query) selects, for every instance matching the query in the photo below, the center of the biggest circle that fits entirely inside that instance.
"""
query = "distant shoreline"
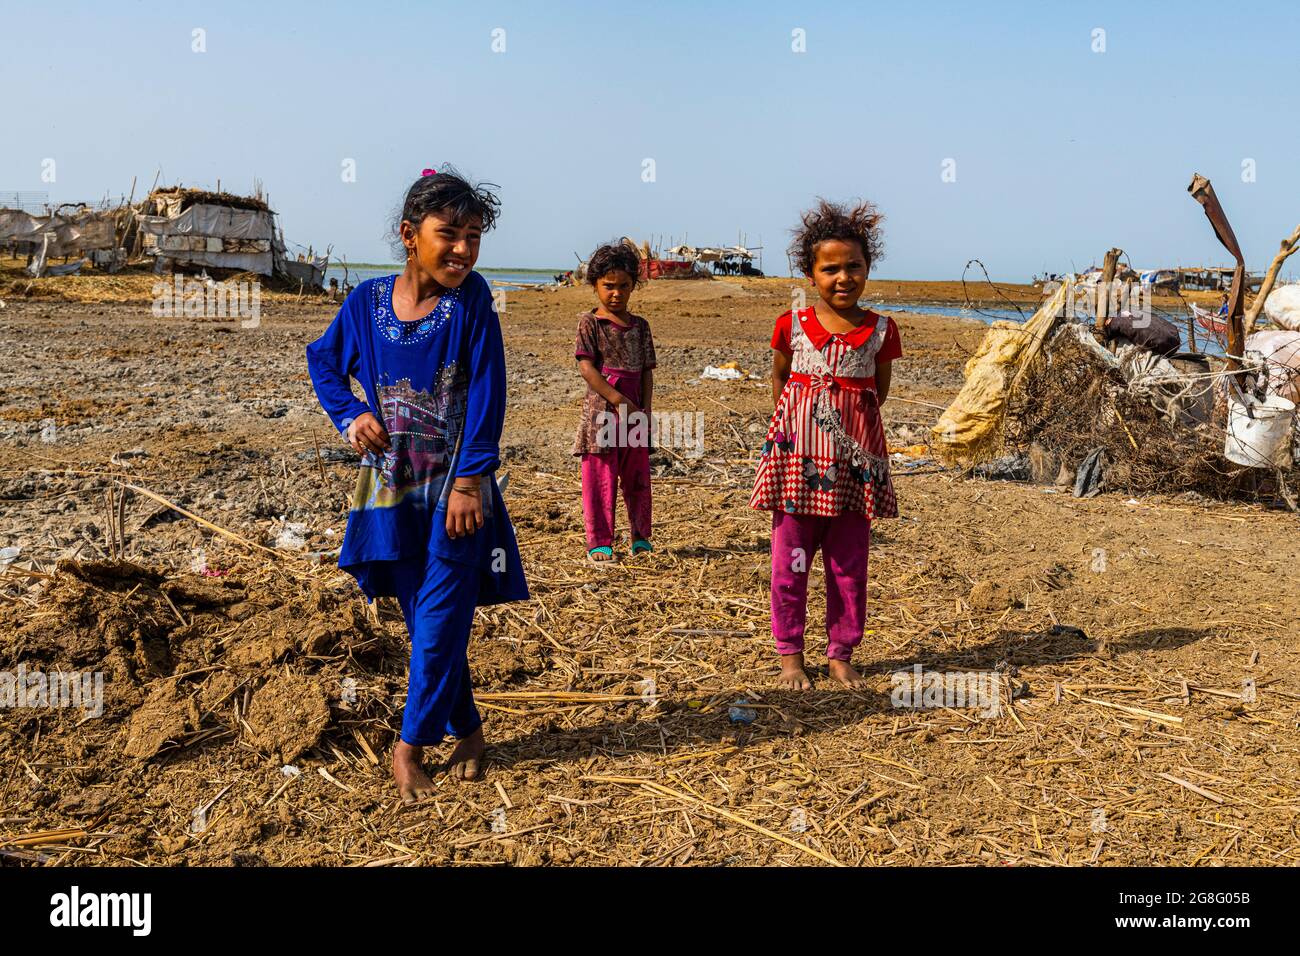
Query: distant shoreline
(136, 282)
(397, 267)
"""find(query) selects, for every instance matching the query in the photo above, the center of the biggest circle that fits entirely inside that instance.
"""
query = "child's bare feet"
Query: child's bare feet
(843, 672)
(412, 782)
(466, 758)
(793, 676)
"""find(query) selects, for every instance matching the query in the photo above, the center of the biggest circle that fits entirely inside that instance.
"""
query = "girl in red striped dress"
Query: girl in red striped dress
(824, 471)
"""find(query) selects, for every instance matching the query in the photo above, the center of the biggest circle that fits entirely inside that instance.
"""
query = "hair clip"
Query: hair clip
(428, 172)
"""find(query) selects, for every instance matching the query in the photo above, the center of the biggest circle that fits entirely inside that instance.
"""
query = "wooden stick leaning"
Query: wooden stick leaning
(1289, 245)
(208, 524)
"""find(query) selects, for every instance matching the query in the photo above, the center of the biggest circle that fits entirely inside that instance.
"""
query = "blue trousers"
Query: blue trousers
(438, 598)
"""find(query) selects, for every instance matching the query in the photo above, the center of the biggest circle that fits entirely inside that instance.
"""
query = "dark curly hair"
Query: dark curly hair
(449, 193)
(831, 220)
(613, 257)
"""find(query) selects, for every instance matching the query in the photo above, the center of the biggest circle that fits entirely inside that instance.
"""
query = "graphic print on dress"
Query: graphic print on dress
(780, 441)
(819, 480)
(423, 429)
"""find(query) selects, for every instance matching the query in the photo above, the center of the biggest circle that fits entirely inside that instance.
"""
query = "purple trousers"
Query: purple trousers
(845, 542)
(601, 476)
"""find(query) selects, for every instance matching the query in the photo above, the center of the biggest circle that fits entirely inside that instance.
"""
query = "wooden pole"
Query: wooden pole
(1108, 267)
(1203, 192)
(125, 222)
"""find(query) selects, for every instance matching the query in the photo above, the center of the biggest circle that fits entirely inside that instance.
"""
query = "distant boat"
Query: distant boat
(1214, 324)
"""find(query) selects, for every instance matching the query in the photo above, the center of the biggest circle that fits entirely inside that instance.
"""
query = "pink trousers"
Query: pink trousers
(845, 542)
(601, 476)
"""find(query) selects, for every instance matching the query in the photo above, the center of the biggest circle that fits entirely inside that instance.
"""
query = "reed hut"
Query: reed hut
(193, 227)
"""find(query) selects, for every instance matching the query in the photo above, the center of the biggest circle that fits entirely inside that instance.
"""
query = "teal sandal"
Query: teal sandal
(641, 544)
(605, 550)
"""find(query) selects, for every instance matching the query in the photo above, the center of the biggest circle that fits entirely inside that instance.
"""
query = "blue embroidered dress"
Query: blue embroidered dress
(439, 387)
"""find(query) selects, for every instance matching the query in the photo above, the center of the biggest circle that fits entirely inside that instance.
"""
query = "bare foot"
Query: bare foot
(793, 676)
(466, 758)
(412, 782)
(843, 672)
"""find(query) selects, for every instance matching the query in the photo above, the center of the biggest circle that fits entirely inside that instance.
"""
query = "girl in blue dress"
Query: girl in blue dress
(428, 524)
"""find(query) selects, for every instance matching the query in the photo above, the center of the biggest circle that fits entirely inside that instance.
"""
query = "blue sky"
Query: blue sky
(1060, 152)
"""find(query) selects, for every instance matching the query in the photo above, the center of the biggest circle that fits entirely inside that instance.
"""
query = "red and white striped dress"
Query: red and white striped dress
(825, 451)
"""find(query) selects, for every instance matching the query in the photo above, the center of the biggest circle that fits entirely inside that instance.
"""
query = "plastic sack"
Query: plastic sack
(1283, 307)
(722, 373)
(1259, 432)
(292, 537)
(1281, 354)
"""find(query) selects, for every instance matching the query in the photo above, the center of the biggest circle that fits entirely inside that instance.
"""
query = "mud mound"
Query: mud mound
(164, 716)
(269, 661)
(288, 714)
(173, 649)
(492, 663)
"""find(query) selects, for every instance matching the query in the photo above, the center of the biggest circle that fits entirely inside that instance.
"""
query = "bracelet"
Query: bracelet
(472, 492)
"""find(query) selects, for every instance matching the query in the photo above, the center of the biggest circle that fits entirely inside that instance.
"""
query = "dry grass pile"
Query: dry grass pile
(134, 284)
(195, 197)
(1070, 405)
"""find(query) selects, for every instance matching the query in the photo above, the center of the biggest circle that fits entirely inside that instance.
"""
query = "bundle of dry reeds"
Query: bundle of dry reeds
(1070, 405)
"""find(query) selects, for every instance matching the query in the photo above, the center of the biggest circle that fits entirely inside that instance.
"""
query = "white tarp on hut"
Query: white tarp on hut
(212, 235)
(711, 253)
(63, 233)
(75, 232)
(18, 225)
(224, 222)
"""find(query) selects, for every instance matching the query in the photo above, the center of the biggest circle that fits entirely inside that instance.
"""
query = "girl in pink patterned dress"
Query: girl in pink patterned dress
(824, 471)
(616, 358)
